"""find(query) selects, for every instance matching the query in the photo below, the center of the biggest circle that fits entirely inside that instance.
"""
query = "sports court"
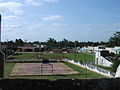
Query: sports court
(27, 69)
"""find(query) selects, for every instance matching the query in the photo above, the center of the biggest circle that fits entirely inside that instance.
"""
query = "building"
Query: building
(90, 49)
(100, 54)
(28, 49)
(62, 51)
(117, 50)
(3, 47)
(84, 49)
(111, 50)
(55, 51)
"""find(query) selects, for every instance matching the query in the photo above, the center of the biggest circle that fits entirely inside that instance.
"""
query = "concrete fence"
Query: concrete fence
(93, 68)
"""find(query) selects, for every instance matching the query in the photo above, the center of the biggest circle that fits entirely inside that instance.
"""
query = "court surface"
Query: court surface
(24, 69)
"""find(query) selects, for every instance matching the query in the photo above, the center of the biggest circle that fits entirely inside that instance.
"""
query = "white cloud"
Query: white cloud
(35, 26)
(51, 0)
(88, 25)
(11, 23)
(12, 26)
(13, 7)
(58, 24)
(116, 24)
(50, 29)
(53, 17)
(33, 2)
(12, 18)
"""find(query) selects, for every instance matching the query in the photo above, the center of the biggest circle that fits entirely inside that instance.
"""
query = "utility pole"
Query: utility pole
(2, 56)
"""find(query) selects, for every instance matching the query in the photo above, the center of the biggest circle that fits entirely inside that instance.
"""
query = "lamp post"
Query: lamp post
(63, 54)
(86, 67)
(2, 56)
(75, 51)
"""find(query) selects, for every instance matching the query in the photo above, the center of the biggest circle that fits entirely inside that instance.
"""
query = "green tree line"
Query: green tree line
(65, 43)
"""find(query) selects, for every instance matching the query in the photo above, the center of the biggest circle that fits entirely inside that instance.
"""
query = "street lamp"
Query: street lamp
(75, 51)
(63, 54)
(86, 67)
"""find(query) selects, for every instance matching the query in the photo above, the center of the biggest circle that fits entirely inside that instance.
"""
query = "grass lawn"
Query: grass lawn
(104, 67)
(24, 56)
(82, 73)
(81, 57)
(85, 73)
(8, 68)
(71, 56)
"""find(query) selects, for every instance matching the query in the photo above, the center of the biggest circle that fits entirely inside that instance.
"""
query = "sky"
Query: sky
(38, 20)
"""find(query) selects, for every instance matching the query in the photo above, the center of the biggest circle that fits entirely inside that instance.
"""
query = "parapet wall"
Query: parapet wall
(60, 84)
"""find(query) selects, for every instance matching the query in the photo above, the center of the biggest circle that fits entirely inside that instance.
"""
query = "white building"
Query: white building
(117, 50)
(84, 49)
(118, 72)
(90, 49)
(100, 51)
(111, 50)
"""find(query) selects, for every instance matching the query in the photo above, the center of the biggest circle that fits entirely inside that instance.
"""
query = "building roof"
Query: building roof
(26, 47)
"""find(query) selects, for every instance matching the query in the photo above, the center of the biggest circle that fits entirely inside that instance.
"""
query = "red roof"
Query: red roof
(26, 47)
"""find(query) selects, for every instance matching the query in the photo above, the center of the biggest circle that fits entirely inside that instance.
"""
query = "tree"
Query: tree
(19, 42)
(114, 40)
(71, 44)
(65, 43)
(116, 63)
(51, 43)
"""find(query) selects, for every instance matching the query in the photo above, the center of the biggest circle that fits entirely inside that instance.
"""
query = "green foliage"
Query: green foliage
(114, 40)
(51, 43)
(116, 63)
(19, 42)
